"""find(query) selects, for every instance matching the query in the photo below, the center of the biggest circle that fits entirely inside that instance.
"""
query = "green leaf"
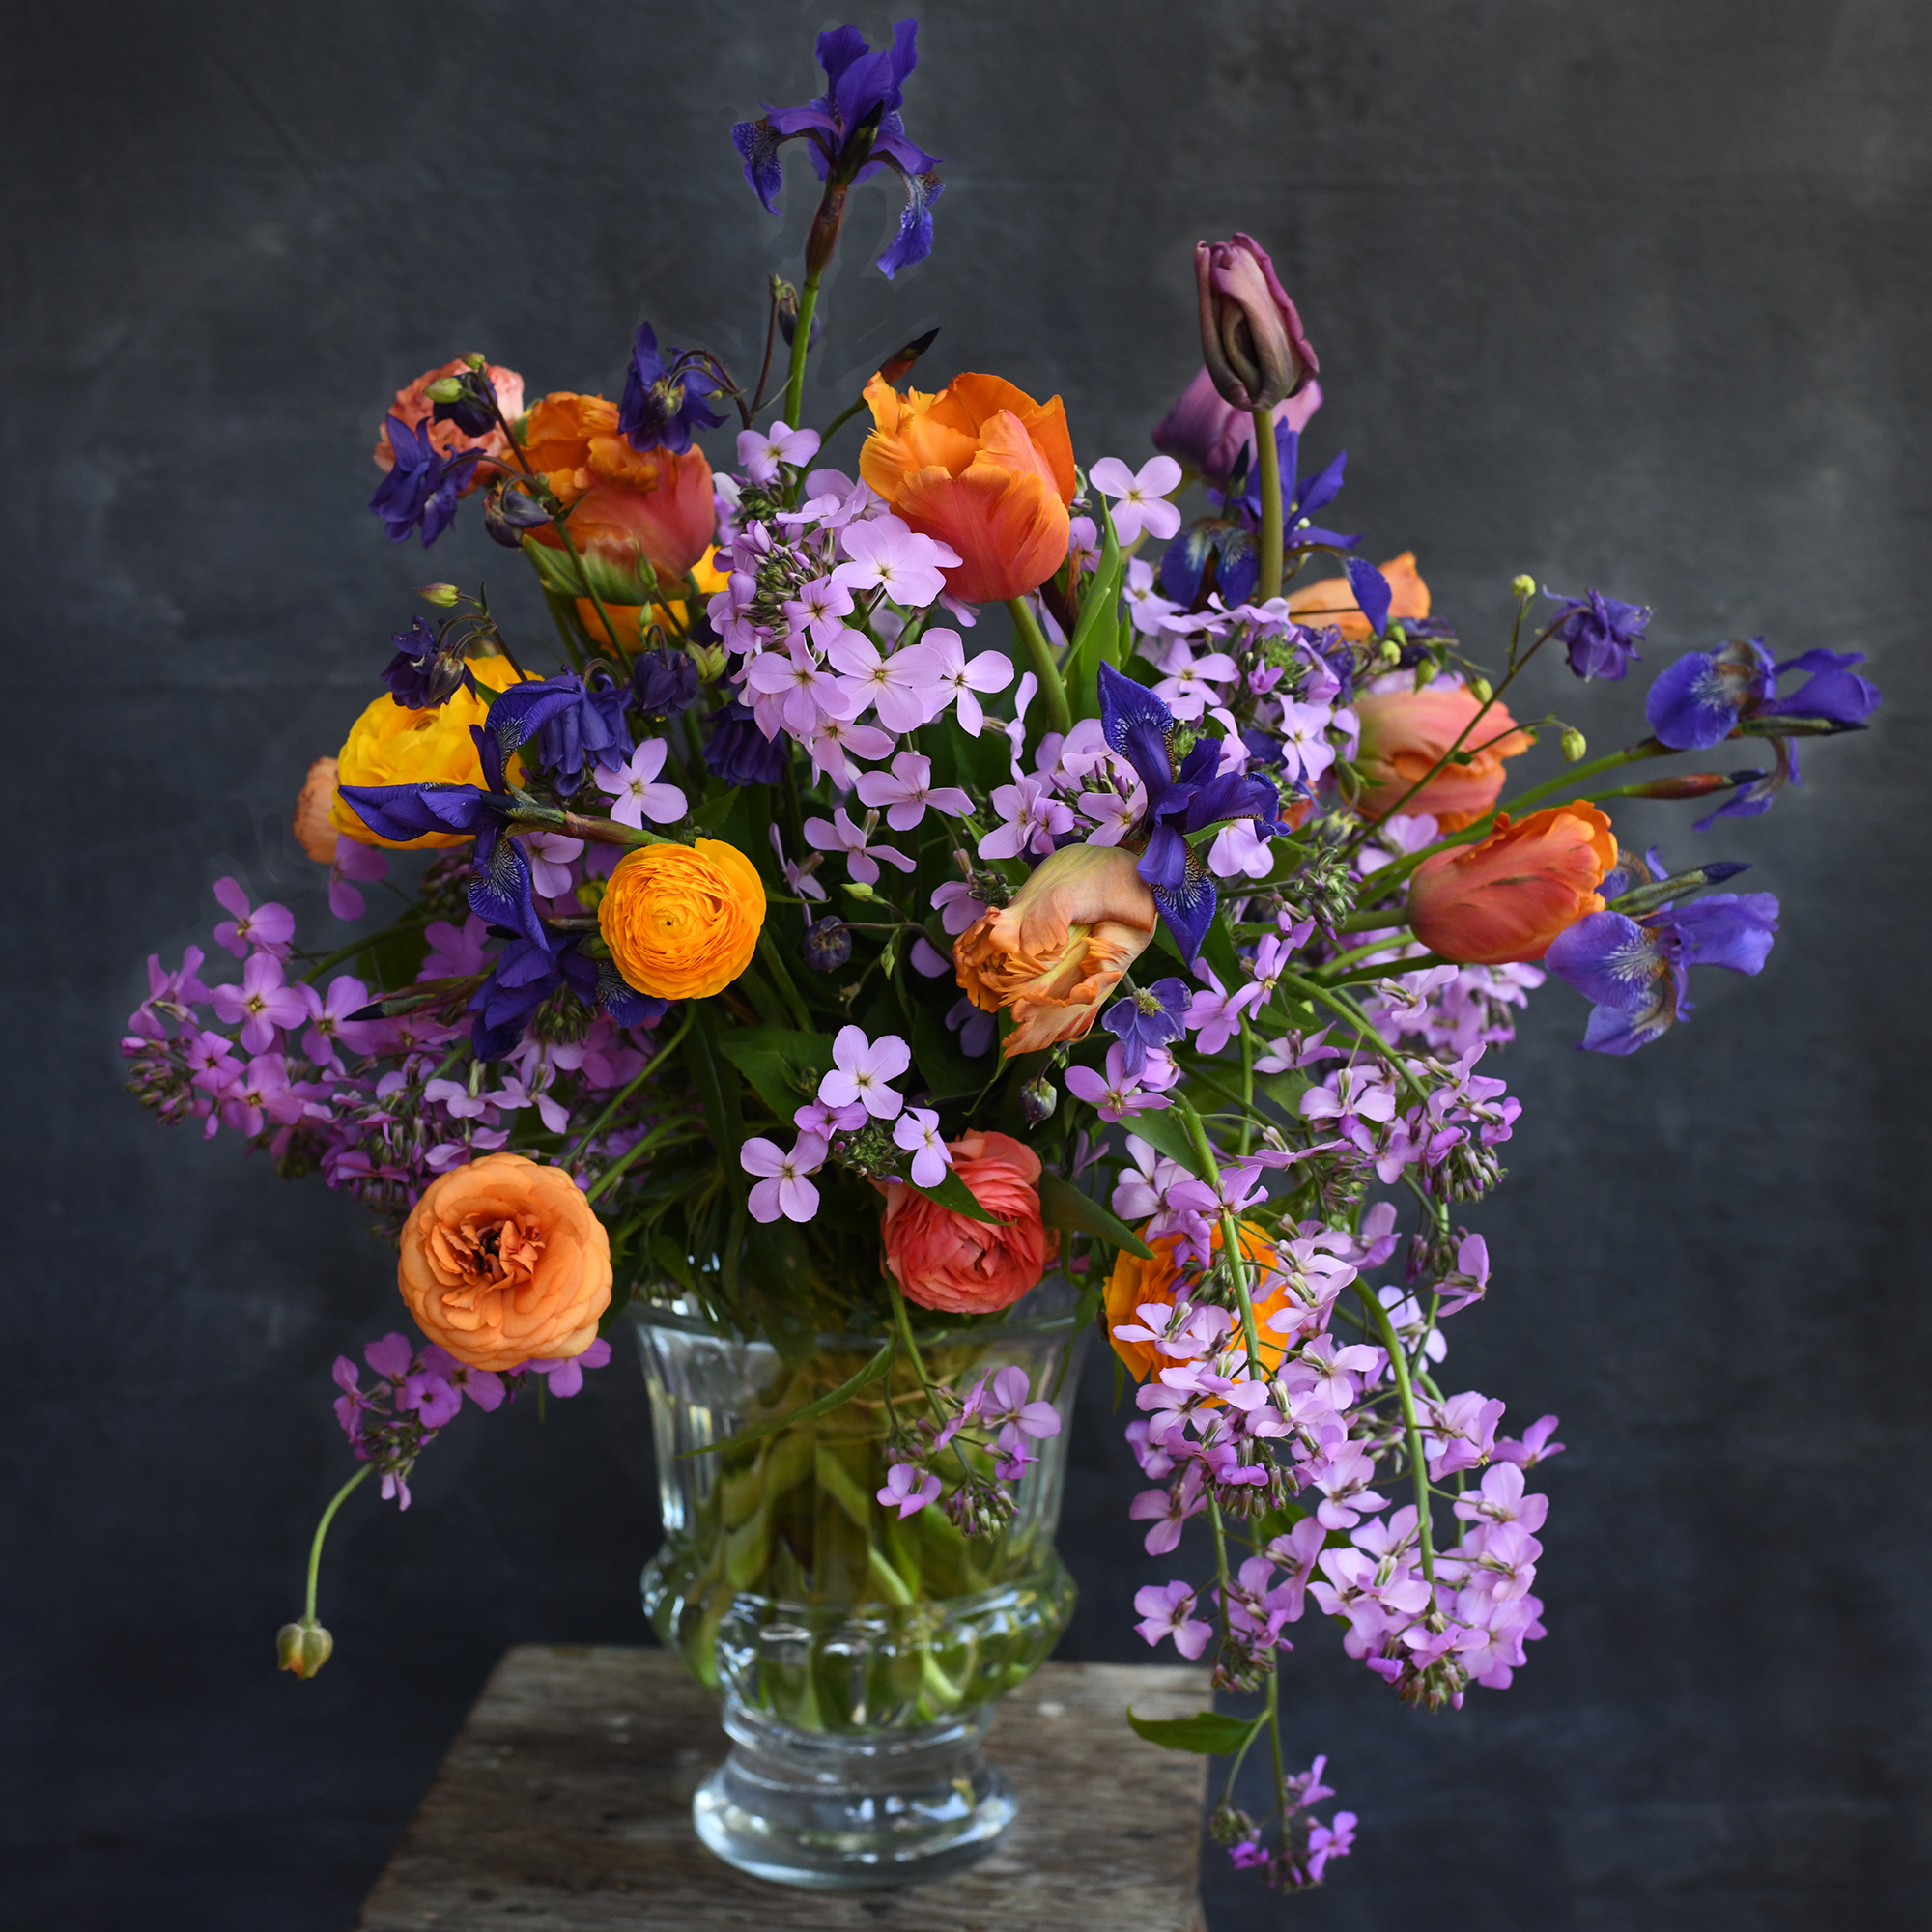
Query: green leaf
(954, 1193)
(935, 1050)
(1061, 1205)
(1285, 1090)
(784, 1067)
(1162, 1130)
(1094, 633)
(1208, 1733)
(777, 1274)
(717, 1092)
(876, 1370)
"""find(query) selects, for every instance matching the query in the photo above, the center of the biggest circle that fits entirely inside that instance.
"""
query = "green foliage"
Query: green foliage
(1208, 1733)
(1061, 1205)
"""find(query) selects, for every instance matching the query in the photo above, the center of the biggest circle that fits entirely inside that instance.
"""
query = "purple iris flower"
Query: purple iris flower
(528, 970)
(739, 753)
(1698, 700)
(1149, 1017)
(663, 395)
(1601, 633)
(572, 719)
(663, 683)
(422, 486)
(862, 87)
(1635, 971)
(1141, 728)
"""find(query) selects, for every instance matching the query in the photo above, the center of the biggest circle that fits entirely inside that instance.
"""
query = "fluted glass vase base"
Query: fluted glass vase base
(844, 1813)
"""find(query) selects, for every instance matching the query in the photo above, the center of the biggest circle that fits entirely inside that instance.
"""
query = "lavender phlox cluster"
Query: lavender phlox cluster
(997, 1419)
(1304, 1846)
(419, 1392)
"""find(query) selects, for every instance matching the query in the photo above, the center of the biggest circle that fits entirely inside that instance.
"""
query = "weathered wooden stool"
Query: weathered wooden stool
(564, 1805)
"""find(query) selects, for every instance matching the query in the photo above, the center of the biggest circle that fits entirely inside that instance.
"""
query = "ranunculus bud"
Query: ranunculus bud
(1251, 336)
(1039, 1099)
(302, 1647)
(443, 595)
(1523, 588)
(828, 945)
(1575, 744)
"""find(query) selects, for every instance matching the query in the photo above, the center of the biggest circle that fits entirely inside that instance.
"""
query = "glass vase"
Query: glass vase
(858, 1654)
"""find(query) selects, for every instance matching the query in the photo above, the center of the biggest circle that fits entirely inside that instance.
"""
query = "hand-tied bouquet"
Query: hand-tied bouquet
(757, 953)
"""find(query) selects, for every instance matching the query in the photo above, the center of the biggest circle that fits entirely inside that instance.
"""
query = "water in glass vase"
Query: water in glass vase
(858, 1652)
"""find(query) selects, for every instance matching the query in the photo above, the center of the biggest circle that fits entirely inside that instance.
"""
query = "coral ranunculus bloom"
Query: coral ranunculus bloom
(1507, 898)
(625, 504)
(503, 1261)
(1135, 1282)
(312, 826)
(682, 922)
(1058, 950)
(393, 744)
(1407, 733)
(947, 1260)
(979, 465)
(1331, 600)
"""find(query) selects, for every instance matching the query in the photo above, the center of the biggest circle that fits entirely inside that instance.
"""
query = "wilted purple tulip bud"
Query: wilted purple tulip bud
(828, 945)
(1039, 1099)
(302, 1647)
(1208, 433)
(1250, 333)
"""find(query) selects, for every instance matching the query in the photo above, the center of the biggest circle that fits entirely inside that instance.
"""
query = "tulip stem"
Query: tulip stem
(1230, 1237)
(1269, 458)
(340, 1497)
(1052, 691)
(801, 341)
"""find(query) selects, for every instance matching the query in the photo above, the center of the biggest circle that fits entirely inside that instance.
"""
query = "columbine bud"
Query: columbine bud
(508, 513)
(1575, 744)
(443, 595)
(1251, 336)
(828, 945)
(302, 1647)
(1481, 690)
(1038, 1097)
(709, 660)
(1523, 588)
(473, 360)
(787, 304)
(445, 389)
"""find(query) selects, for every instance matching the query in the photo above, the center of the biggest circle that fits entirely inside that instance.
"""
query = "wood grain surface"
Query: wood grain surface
(564, 1805)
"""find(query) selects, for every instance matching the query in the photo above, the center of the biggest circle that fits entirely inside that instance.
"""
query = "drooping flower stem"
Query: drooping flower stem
(801, 341)
(1411, 1425)
(1230, 1237)
(1268, 461)
(321, 1531)
(1052, 692)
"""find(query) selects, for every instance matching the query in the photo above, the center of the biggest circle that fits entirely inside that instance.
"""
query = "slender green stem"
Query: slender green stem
(801, 342)
(614, 1172)
(1405, 1395)
(1268, 458)
(1374, 920)
(787, 987)
(340, 1497)
(1230, 1235)
(1274, 1725)
(1052, 691)
(651, 1066)
(903, 1321)
(1247, 1084)
(1220, 1560)
(409, 922)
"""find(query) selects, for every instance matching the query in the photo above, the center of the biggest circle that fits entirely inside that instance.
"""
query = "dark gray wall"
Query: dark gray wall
(1621, 294)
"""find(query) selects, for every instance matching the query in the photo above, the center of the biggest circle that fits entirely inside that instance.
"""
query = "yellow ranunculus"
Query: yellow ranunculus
(682, 922)
(391, 745)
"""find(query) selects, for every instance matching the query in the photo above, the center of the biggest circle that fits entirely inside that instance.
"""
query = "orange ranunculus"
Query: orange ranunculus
(947, 1260)
(682, 922)
(982, 466)
(1405, 734)
(412, 406)
(1135, 1283)
(1057, 952)
(503, 1261)
(626, 504)
(314, 829)
(1331, 600)
(629, 619)
(1506, 898)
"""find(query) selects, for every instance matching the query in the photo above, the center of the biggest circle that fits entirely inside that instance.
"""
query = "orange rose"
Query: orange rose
(1405, 734)
(504, 1262)
(412, 406)
(682, 922)
(1134, 1282)
(315, 832)
(626, 506)
(943, 1260)
(1331, 600)
(1059, 949)
(1506, 898)
(979, 465)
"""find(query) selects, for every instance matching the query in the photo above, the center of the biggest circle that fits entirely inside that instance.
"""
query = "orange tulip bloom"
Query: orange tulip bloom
(1331, 600)
(1508, 898)
(626, 505)
(1407, 733)
(982, 466)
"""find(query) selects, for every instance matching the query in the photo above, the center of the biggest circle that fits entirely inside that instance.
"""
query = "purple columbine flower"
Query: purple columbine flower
(1141, 728)
(1635, 971)
(863, 89)
(1601, 633)
(739, 753)
(1149, 1016)
(426, 670)
(663, 683)
(422, 487)
(663, 395)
